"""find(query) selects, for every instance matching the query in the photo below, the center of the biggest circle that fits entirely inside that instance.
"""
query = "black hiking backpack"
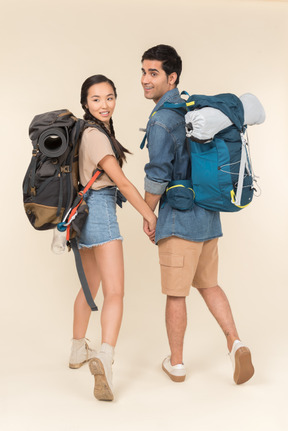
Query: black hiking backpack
(51, 194)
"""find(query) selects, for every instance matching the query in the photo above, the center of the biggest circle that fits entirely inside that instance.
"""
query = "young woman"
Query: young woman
(100, 243)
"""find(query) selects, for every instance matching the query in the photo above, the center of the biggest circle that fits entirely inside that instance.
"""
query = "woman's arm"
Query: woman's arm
(110, 165)
(152, 201)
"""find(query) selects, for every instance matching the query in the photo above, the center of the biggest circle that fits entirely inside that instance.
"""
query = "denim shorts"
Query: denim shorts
(101, 225)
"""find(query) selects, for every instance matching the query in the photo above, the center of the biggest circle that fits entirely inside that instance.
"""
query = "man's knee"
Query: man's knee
(176, 304)
(171, 298)
(208, 289)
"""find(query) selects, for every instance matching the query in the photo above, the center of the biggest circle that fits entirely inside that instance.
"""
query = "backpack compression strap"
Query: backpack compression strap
(82, 276)
(244, 164)
(73, 242)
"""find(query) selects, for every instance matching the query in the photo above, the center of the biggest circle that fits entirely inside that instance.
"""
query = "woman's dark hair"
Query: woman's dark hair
(171, 61)
(98, 79)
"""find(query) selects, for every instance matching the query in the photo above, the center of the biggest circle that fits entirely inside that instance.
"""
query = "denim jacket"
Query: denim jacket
(169, 160)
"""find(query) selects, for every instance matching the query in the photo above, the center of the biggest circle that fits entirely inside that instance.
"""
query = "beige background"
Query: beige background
(48, 48)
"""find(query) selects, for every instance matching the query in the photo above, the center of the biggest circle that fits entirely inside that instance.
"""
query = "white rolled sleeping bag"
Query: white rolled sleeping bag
(203, 124)
(253, 110)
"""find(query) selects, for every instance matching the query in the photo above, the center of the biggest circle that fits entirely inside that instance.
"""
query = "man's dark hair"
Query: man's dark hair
(171, 61)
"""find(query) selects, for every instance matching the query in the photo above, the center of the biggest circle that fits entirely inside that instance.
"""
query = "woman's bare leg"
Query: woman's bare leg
(110, 262)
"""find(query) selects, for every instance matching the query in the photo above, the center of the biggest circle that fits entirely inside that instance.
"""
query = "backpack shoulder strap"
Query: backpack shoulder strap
(96, 126)
(181, 107)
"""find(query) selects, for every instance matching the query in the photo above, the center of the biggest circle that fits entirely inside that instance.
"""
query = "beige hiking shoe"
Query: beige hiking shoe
(241, 360)
(80, 353)
(101, 369)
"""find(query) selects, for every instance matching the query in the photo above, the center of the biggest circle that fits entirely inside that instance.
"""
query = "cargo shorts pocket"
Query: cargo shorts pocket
(171, 260)
(171, 273)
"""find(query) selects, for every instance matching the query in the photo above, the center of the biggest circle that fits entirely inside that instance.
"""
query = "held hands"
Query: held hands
(149, 227)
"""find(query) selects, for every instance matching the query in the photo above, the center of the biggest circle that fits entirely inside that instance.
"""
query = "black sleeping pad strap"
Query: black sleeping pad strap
(32, 167)
(82, 276)
(60, 198)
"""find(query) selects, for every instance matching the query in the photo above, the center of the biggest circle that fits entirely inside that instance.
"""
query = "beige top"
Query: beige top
(94, 146)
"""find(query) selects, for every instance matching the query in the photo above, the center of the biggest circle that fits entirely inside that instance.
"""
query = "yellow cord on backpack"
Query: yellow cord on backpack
(232, 193)
(180, 185)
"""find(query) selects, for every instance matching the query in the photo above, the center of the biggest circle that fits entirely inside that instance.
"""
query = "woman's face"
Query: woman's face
(101, 101)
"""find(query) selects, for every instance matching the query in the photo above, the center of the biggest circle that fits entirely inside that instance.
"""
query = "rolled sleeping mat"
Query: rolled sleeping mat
(203, 124)
(253, 110)
(53, 142)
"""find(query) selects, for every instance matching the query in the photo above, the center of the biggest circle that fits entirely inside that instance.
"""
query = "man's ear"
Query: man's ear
(172, 78)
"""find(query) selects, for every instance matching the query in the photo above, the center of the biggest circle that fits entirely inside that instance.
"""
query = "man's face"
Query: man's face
(154, 80)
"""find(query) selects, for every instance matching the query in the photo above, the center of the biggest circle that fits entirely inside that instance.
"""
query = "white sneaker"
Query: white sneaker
(241, 360)
(80, 353)
(177, 373)
(101, 369)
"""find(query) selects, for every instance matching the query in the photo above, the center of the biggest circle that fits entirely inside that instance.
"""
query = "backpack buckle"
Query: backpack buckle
(65, 169)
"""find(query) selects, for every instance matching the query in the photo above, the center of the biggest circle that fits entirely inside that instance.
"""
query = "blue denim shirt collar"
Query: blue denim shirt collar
(170, 96)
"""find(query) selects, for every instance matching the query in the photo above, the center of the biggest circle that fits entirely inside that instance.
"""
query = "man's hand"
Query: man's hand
(149, 230)
(149, 227)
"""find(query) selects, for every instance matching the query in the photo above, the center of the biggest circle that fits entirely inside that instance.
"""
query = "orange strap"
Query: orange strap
(89, 184)
(81, 194)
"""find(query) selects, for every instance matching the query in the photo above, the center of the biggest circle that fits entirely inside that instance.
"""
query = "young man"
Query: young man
(187, 240)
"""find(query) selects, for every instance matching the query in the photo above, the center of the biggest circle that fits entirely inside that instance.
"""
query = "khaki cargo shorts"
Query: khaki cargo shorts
(187, 263)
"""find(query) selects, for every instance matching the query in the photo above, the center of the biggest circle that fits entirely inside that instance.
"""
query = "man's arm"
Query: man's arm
(152, 200)
(159, 169)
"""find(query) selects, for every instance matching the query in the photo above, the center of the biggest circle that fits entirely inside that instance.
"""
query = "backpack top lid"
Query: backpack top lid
(227, 103)
(203, 124)
(58, 118)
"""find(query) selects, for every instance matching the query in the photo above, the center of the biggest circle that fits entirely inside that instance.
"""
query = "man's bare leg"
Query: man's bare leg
(219, 306)
(176, 322)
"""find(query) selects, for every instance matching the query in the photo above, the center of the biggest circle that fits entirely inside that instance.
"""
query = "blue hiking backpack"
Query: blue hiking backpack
(222, 178)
